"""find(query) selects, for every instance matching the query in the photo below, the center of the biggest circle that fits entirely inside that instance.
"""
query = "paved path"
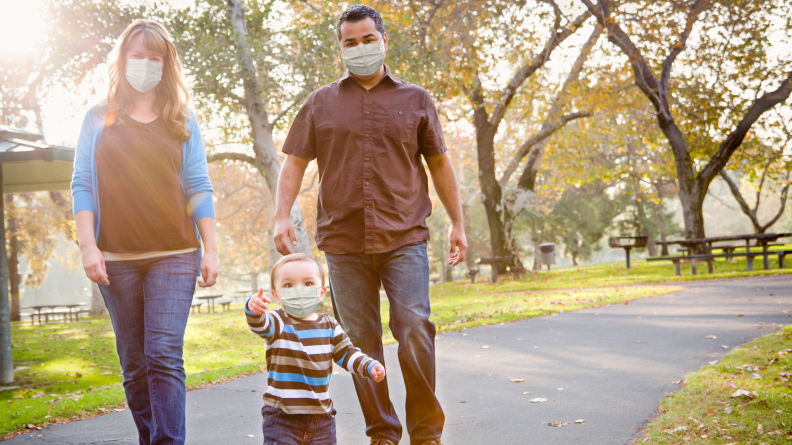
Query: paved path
(614, 364)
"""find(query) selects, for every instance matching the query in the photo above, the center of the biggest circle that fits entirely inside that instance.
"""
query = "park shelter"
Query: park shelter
(26, 165)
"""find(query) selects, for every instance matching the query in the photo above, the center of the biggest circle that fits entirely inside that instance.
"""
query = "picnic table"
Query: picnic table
(210, 301)
(761, 239)
(494, 262)
(72, 311)
(627, 243)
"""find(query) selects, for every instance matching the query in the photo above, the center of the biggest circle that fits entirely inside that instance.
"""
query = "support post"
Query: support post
(627, 251)
(693, 267)
(6, 358)
(749, 260)
(709, 266)
(781, 264)
(766, 256)
(494, 268)
(676, 268)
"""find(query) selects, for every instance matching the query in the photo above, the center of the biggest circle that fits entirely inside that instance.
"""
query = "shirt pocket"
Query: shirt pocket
(400, 125)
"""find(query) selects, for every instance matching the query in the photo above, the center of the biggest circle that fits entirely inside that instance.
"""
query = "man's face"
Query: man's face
(362, 32)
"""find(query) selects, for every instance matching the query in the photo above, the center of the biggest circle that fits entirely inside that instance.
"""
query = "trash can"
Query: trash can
(548, 253)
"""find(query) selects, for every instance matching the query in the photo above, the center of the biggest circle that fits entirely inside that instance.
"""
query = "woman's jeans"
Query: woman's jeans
(355, 283)
(149, 302)
(297, 429)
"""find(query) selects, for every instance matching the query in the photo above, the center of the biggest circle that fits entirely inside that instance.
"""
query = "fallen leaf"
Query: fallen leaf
(560, 389)
(485, 347)
(558, 424)
(760, 429)
(711, 337)
(580, 421)
(714, 362)
(728, 410)
(710, 411)
(742, 392)
(516, 380)
(538, 400)
(725, 347)
(730, 384)
(740, 315)
(526, 392)
(675, 430)
(756, 376)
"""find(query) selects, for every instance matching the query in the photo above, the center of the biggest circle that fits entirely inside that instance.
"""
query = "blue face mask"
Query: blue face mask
(301, 301)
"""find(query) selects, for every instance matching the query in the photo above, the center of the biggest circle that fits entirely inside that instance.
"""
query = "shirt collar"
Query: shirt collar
(388, 75)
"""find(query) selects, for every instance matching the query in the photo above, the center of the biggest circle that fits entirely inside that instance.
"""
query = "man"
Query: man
(368, 132)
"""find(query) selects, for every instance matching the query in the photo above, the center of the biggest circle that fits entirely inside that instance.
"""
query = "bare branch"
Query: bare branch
(296, 100)
(529, 68)
(310, 186)
(241, 157)
(698, 7)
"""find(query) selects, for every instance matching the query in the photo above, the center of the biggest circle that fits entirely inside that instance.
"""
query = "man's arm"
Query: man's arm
(289, 182)
(445, 182)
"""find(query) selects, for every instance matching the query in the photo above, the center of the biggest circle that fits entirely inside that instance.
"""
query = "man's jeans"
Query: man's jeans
(297, 429)
(149, 302)
(355, 283)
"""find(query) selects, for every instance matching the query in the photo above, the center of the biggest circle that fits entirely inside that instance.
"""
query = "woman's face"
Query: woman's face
(137, 50)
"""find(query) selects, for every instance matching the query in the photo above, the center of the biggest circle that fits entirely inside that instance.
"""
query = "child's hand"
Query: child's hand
(378, 372)
(258, 303)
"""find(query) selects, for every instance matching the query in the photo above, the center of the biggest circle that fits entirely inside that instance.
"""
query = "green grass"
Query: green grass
(705, 408)
(615, 274)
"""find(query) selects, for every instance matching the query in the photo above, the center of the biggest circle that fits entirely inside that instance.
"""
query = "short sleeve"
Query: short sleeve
(430, 133)
(301, 140)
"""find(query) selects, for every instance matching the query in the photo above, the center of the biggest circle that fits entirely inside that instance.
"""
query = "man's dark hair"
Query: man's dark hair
(356, 13)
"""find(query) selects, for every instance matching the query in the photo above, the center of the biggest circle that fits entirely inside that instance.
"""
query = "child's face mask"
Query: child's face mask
(301, 301)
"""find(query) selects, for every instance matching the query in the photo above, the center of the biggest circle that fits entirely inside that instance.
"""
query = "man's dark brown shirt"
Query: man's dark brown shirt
(373, 189)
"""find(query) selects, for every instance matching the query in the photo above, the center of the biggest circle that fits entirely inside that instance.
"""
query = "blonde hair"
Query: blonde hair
(292, 258)
(172, 93)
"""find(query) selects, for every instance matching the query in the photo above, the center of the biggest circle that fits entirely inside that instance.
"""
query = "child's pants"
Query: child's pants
(298, 429)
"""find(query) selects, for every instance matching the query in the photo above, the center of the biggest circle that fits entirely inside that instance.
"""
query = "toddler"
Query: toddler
(301, 346)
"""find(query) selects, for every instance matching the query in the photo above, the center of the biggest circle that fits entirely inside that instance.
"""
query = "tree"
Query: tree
(731, 49)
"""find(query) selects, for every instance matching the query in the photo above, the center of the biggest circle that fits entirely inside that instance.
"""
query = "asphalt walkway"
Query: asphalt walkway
(610, 366)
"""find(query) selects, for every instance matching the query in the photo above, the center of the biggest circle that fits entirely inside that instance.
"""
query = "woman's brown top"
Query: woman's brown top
(373, 189)
(141, 200)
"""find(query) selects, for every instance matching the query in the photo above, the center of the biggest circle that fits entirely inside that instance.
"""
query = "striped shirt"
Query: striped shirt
(300, 355)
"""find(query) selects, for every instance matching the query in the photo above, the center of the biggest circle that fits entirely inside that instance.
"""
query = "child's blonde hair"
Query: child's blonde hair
(292, 258)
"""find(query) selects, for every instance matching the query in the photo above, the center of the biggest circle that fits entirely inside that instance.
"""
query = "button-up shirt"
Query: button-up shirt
(373, 189)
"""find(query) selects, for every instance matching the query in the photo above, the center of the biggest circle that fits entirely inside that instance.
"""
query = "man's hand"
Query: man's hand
(258, 303)
(284, 236)
(378, 373)
(456, 237)
(208, 270)
(94, 264)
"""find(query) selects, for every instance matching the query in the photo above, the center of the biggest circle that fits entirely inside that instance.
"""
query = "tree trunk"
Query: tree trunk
(97, 301)
(254, 281)
(470, 260)
(660, 221)
(639, 204)
(536, 238)
(13, 257)
(260, 126)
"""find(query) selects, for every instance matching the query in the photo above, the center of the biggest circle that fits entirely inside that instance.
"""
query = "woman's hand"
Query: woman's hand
(378, 372)
(258, 303)
(94, 264)
(208, 270)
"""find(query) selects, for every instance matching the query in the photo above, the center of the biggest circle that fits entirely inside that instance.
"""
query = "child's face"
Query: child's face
(297, 273)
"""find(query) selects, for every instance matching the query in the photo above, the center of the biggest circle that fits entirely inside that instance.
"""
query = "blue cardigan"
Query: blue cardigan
(193, 174)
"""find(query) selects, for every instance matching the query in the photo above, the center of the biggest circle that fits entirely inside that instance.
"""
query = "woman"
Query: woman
(140, 190)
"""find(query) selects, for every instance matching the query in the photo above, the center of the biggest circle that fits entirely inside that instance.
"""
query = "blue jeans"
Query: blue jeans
(149, 302)
(355, 283)
(297, 429)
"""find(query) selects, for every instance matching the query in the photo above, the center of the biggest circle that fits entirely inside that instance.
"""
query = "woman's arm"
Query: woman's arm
(92, 259)
(206, 226)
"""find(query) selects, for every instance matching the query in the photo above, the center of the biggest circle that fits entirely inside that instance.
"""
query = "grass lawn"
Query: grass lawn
(704, 411)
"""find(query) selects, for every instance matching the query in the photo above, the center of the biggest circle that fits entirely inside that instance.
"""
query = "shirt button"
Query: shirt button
(367, 112)
(399, 112)
(367, 91)
(367, 206)
(367, 135)
(367, 159)
(367, 183)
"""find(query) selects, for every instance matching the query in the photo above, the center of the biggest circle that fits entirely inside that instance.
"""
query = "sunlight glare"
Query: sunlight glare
(22, 26)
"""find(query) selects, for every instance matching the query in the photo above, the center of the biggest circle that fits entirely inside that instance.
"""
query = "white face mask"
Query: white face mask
(143, 74)
(301, 301)
(364, 60)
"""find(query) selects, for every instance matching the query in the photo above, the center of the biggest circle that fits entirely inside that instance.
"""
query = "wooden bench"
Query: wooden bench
(749, 257)
(494, 262)
(226, 304)
(196, 305)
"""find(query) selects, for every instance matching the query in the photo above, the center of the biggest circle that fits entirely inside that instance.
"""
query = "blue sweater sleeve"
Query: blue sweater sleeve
(197, 187)
(82, 178)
